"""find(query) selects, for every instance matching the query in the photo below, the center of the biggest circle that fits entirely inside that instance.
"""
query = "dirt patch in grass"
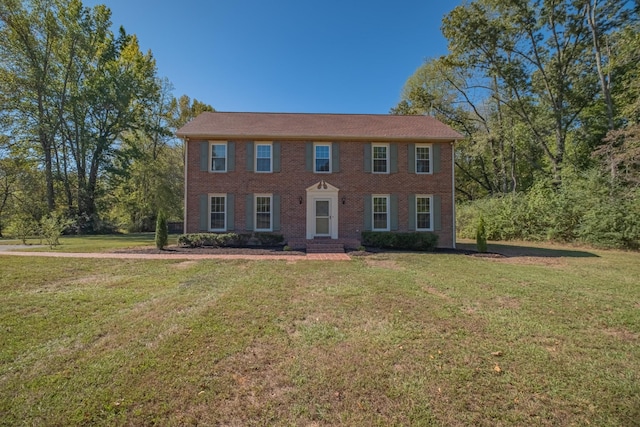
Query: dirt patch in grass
(383, 263)
(530, 260)
(77, 283)
(433, 291)
(508, 303)
(622, 334)
(185, 264)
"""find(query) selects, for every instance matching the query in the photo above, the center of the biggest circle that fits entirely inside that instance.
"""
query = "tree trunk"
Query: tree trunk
(48, 171)
(597, 50)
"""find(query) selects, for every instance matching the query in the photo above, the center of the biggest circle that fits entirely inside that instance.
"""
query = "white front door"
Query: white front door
(322, 211)
(323, 217)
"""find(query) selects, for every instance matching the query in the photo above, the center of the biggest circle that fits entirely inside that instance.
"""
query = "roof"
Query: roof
(297, 126)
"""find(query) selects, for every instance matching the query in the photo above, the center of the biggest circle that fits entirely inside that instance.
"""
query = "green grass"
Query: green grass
(101, 243)
(390, 339)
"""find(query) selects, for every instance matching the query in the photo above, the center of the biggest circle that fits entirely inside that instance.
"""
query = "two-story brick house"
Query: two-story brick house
(319, 176)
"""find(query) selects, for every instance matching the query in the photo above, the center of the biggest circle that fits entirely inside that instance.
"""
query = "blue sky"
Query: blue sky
(330, 56)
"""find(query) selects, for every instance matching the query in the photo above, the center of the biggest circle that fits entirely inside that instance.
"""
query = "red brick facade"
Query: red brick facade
(290, 183)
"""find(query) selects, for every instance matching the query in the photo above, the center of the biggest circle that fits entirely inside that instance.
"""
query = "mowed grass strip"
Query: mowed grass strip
(97, 243)
(390, 339)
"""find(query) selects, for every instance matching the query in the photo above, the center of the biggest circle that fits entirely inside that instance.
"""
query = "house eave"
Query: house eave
(266, 137)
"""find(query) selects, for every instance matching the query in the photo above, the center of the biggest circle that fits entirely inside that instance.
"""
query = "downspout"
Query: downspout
(186, 156)
(453, 190)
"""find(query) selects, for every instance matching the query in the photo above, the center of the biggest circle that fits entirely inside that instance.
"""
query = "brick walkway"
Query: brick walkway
(107, 255)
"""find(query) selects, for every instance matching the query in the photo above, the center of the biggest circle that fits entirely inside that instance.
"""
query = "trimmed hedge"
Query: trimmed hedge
(198, 240)
(405, 241)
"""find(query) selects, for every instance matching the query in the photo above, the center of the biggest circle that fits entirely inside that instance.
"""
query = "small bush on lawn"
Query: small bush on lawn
(162, 231)
(407, 241)
(481, 236)
(51, 228)
(22, 227)
(198, 240)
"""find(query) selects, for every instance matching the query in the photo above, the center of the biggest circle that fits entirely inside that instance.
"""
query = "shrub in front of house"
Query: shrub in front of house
(405, 241)
(222, 240)
(269, 239)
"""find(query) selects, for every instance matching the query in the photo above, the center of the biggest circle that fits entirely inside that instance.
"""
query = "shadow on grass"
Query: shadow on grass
(518, 250)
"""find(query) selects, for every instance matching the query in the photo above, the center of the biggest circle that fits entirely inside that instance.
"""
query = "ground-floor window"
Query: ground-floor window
(423, 213)
(217, 212)
(263, 212)
(380, 213)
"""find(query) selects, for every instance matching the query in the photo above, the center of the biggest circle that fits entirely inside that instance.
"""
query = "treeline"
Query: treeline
(547, 95)
(86, 123)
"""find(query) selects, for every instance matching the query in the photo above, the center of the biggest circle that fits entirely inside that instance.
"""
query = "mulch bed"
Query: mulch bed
(277, 250)
(210, 250)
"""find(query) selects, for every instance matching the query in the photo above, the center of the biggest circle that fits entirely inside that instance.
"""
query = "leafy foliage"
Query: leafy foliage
(197, 240)
(51, 228)
(162, 231)
(86, 106)
(585, 209)
(407, 241)
(543, 91)
(22, 227)
(481, 236)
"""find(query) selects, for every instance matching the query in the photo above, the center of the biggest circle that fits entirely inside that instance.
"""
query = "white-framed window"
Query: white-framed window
(264, 157)
(380, 212)
(380, 158)
(322, 158)
(423, 158)
(217, 212)
(264, 212)
(423, 213)
(218, 156)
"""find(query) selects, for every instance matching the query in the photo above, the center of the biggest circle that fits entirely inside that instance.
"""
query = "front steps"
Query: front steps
(324, 247)
(321, 245)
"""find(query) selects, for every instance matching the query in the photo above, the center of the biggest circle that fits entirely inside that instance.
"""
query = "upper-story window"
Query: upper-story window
(322, 158)
(423, 158)
(264, 157)
(380, 158)
(218, 152)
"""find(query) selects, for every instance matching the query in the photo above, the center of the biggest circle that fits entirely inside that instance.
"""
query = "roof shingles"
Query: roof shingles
(297, 126)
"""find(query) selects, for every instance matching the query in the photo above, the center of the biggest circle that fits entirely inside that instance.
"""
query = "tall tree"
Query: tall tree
(536, 52)
(151, 175)
(118, 87)
(30, 77)
(70, 88)
(486, 162)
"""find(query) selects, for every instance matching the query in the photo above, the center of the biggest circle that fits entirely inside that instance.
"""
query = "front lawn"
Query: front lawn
(89, 243)
(388, 339)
